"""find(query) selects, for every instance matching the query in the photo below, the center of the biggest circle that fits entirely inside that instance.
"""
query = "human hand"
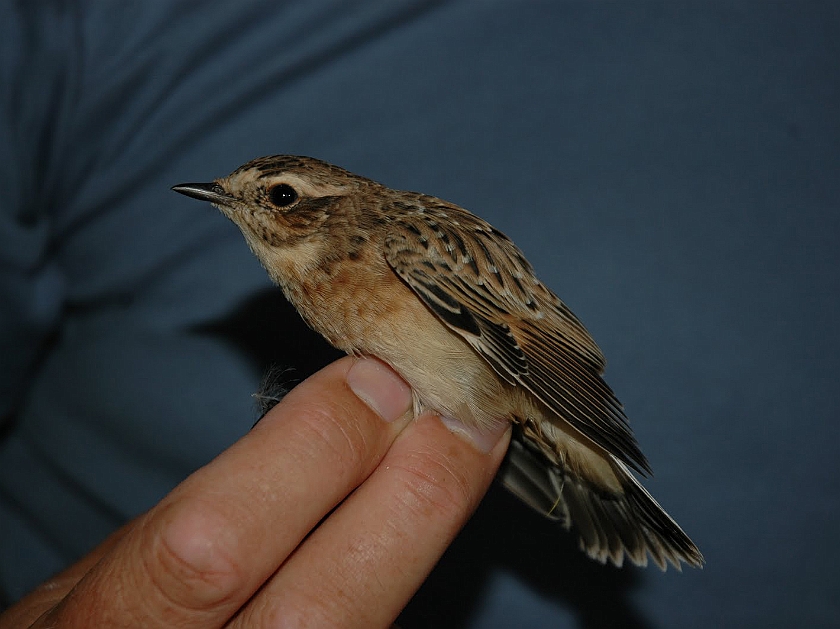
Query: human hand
(244, 541)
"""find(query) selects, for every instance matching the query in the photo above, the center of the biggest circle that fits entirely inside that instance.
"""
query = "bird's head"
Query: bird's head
(282, 203)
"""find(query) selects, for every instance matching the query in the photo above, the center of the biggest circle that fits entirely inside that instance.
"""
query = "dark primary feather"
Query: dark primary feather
(610, 526)
(480, 285)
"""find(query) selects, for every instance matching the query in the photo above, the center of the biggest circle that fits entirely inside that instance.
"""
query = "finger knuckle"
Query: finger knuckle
(196, 569)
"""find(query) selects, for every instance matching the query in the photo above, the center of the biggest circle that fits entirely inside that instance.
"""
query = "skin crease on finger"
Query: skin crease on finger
(373, 554)
(247, 491)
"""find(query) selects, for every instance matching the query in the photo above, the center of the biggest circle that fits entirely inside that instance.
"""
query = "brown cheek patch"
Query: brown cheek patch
(270, 230)
(288, 226)
(308, 213)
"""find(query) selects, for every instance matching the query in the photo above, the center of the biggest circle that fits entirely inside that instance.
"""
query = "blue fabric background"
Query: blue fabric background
(671, 169)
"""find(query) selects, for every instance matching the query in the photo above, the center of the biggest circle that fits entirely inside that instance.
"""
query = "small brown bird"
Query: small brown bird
(455, 308)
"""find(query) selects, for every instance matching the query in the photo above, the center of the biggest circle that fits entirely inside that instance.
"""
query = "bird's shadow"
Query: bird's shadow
(268, 330)
(506, 535)
(503, 534)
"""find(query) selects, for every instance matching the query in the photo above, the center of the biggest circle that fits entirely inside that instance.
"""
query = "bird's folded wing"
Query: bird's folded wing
(480, 285)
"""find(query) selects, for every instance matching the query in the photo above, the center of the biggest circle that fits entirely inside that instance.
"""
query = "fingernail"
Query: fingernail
(378, 386)
(484, 438)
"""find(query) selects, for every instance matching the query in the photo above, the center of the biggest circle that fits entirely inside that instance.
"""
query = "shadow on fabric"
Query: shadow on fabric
(269, 330)
(504, 534)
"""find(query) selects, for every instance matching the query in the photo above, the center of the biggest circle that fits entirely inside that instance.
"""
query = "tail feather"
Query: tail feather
(610, 525)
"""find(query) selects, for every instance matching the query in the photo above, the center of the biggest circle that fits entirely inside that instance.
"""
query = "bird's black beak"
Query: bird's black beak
(211, 192)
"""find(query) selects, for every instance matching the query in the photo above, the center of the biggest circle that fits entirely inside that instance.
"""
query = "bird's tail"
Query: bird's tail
(610, 525)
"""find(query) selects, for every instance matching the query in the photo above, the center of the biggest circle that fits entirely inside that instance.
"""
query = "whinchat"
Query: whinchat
(454, 307)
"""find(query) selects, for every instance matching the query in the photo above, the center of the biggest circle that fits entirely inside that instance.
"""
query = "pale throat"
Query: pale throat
(293, 264)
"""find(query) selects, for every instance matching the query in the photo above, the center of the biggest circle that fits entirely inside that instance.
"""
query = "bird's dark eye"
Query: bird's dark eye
(282, 195)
